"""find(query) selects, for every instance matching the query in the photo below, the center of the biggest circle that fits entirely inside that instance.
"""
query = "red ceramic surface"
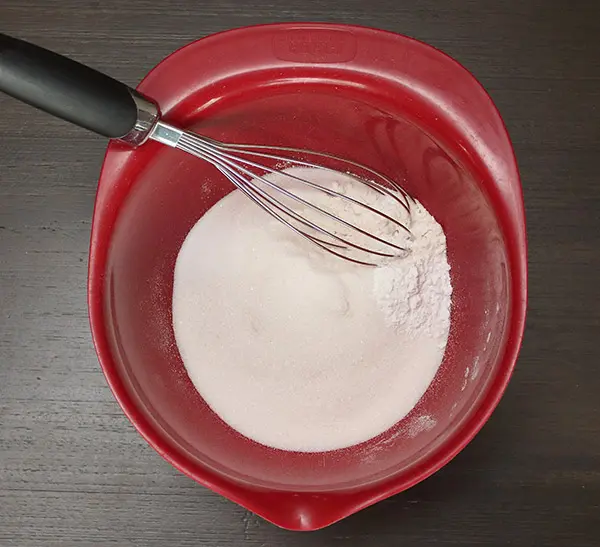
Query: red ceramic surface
(395, 104)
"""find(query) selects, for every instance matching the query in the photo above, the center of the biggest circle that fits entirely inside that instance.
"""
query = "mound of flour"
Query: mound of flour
(300, 350)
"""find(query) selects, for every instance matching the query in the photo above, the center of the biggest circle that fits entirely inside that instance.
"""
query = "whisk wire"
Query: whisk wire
(248, 175)
(251, 149)
(255, 193)
(316, 186)
(230, 162)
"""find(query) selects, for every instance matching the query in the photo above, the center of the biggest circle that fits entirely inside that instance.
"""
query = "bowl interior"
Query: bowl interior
(346, 114)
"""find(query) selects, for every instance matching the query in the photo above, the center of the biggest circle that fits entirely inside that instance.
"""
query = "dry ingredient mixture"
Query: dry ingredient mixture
(300, 350)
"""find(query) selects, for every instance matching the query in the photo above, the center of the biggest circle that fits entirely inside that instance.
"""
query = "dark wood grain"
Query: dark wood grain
(74, 472)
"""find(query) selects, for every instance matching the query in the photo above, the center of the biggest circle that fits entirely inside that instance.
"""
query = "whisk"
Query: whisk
(92, 100)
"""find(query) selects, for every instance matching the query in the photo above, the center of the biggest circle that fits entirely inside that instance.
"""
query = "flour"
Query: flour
(415, 291)
(300, 350)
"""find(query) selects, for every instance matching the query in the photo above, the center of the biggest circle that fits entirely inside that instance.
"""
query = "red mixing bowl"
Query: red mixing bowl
(399, 106)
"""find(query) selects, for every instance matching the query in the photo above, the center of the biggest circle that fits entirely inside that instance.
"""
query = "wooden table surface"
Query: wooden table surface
(74, 472)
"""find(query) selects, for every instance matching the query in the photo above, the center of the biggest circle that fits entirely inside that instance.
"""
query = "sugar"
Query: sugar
(300, 350)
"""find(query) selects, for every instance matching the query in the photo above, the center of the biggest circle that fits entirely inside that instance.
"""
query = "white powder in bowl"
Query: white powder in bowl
(300, 350)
